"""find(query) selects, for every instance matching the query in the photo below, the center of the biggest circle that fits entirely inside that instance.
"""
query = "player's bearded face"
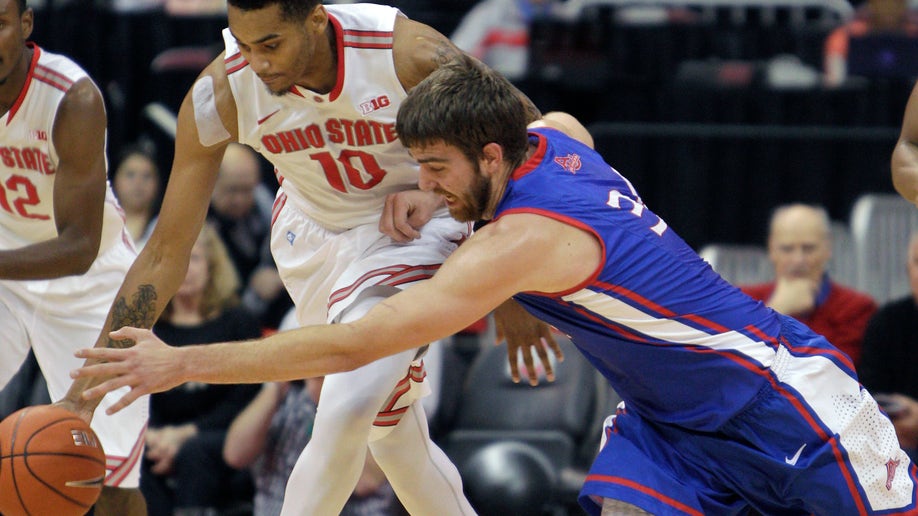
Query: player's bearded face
(469, 205)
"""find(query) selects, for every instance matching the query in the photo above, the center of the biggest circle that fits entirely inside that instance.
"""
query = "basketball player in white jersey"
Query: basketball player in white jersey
(63, 247)
(316, 90)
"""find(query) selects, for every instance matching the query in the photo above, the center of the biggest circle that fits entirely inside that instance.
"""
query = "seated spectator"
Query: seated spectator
(240, 209)
(873, 17)
(889, 362)
(136, 183)
(237, 212)
(269, 434)
(800, 247)
(497, 32)
(183, 470)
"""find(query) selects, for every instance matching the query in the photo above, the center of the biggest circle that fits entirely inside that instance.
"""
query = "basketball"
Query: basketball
(51, 462)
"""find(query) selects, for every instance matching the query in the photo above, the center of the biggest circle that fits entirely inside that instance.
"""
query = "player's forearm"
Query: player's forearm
(55, 258)
(905, 170)
(138, 303)
(291, 355)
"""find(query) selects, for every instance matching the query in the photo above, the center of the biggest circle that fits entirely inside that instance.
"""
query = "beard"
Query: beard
(471, 204)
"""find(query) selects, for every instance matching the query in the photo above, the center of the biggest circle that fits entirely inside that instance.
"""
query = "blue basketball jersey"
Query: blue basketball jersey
(655, 313)
(729, 404)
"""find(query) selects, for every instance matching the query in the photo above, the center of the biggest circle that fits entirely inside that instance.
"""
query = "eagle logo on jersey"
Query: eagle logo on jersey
(891, 466)
(571, 162)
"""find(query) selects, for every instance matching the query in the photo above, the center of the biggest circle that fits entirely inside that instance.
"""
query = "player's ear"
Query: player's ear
(27, 22)
(318, 19)
(492, 156)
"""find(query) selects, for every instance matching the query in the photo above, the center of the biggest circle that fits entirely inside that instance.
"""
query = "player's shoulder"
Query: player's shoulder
(419, 49)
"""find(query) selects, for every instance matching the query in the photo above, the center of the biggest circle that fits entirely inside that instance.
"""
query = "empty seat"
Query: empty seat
(881, 224)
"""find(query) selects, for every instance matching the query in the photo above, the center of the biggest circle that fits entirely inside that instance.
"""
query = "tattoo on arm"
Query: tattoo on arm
(139, 314)
(445, 53)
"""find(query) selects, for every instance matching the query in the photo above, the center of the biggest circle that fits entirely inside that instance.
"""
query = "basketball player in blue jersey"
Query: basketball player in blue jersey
(728, 406)
(315, 90)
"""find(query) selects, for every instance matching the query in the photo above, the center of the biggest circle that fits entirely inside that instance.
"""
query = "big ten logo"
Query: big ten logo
(84, 438)
(373, 104)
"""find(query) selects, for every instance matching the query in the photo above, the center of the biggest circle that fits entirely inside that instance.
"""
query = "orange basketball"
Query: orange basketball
(51, 462)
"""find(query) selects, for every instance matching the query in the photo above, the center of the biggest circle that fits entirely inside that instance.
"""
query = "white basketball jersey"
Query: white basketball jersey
(337, 154)
(29, 161)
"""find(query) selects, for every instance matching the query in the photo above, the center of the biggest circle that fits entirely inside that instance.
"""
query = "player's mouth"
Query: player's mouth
(270, 79)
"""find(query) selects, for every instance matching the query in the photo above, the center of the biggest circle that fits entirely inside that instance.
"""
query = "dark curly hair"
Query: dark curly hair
(291, 10)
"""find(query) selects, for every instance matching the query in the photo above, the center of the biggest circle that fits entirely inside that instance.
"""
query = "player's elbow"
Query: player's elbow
(80, 261)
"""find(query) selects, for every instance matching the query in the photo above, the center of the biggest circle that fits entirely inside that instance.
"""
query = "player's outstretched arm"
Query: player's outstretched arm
(905, 155)
(79, 193)
(519, 252)
(160, 267)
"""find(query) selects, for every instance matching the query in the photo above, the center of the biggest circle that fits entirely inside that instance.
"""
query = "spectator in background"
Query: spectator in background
(800, 247)
(497, 32)
(242, 221)
(889, 363)
(269, 434)
(873, 17)
(268, 437)
(183, 470)
(136, 183)
(240, 209)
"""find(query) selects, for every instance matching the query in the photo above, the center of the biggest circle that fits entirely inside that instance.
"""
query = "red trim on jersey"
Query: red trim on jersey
(373, 39)
(570, 222)
(533, 160)
(36, 53)
(279, 203)
(397, 275)
(52, 77)
(121, 467)
(369, 33)
(624, 482)
(233, 68)
(339, 39)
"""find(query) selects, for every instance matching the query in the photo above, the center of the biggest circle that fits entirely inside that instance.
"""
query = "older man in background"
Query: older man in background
(800, 247)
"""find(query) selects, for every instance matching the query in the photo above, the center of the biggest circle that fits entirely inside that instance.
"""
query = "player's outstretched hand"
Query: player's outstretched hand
(523, 332)
(405, 213)
(147, 367)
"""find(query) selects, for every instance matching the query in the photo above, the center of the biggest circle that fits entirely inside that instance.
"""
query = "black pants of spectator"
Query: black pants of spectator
(200, 482)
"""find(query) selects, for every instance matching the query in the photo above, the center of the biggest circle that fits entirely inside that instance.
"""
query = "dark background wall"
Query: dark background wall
(685, 110)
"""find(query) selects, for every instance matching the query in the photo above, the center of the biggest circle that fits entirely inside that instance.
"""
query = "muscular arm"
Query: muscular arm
(519, 252)
(79, 193)
(160, 268)
(905, 154)
(418, 50)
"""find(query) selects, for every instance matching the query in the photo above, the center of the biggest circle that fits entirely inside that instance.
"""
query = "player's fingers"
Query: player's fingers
(404, 226)
(514, 365)
(550, 341)
(97, 369)
(106, 354)
(125, 400)
(530, 366)
(129, 333)
(104, 388)
(543, 356)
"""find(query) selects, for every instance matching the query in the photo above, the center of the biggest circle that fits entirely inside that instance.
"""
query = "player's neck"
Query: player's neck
(11, 88)
(324, 76)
